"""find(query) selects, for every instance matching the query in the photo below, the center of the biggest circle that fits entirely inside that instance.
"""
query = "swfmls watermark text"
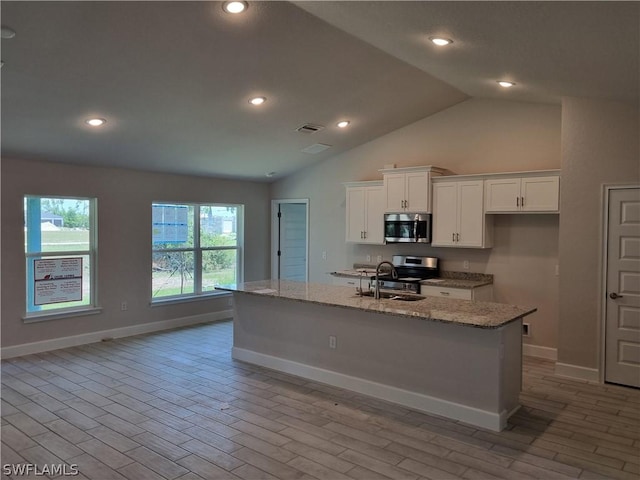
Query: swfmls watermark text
(52, 469)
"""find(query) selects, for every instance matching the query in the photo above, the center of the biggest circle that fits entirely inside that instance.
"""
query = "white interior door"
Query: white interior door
(290, 240)
(622, 336)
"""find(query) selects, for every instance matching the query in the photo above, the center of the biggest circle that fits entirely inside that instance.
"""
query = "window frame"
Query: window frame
(92, 252)
(196, 249)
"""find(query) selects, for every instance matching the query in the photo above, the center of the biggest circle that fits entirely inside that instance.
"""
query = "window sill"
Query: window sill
(188, 299)
(45, 317)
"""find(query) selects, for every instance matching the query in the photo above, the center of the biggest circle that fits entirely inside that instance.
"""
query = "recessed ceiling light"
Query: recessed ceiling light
(235, 6)
(257, 100)
(343, 124)
(441, 41)
(95, 122)
(505, 83)
(270, 174)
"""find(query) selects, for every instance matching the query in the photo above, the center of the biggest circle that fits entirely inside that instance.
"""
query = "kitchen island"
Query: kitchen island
(455, 358)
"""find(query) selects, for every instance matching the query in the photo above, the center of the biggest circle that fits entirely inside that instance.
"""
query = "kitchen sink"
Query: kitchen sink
(403, 297)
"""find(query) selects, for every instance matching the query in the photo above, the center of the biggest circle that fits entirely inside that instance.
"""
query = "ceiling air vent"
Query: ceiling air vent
(309, 128)
(316, 148)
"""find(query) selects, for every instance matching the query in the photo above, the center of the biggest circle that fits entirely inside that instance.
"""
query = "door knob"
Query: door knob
(614, 295)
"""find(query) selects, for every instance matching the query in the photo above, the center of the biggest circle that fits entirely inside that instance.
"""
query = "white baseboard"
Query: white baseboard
(577, 372)
(417, 401)
(540, 352)
(92, 337)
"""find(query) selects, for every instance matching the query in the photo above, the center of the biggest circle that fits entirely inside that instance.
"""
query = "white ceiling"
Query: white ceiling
(173, 78)
(550, 48)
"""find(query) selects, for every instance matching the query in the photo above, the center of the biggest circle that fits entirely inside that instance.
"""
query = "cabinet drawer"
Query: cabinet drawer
(446, 292)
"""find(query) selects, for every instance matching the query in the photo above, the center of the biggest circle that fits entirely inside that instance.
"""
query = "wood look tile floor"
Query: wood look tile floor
(174, 405)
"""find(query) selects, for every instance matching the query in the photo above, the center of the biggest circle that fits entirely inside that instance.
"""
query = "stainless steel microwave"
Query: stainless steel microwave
(407, 228)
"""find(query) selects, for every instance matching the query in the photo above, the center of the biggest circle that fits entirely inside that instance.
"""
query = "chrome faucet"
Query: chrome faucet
(394, 275)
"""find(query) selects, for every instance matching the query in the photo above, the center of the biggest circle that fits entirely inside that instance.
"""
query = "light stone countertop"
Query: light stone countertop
(464, 280)
(355, 273)
(444, 282)
(461, 312)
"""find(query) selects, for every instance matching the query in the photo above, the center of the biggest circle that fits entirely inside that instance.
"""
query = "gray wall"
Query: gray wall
(124, 240)
(599, 146)
(476, 136)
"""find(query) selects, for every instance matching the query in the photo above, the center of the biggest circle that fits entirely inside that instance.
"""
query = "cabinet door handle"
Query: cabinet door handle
(444, 293)
(361, 236)
(453, 237)
(365, 234)
(457, 237)
(517, 201)
(522, 201)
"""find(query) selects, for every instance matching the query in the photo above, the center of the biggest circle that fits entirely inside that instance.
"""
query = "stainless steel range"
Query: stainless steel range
(411, 270)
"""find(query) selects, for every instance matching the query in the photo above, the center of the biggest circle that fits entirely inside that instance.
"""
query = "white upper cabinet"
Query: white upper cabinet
(409, 189)
(502, 195)
(395, 190)
(540, 194)
(458, 215)
(531, 192)
(365, 212)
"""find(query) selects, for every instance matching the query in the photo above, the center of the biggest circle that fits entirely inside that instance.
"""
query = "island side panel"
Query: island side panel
(511, 372)
(453, 364)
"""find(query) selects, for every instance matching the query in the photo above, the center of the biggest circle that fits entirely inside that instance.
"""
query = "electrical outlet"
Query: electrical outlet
(379, 258)
(333, 342)
(526, 330)
(557, 270)
(230, 302)
(368, 258)
(124, 306)
(324, 255)
(465, 264)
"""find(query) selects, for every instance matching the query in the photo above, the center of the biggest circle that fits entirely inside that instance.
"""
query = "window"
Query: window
(60, 254)
(195, 248)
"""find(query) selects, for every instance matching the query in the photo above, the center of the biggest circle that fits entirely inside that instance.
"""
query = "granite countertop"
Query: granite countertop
(465, 280)
(461, 312)
(355, 272)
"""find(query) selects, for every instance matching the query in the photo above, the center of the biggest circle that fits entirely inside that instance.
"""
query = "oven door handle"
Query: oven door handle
(415, 230)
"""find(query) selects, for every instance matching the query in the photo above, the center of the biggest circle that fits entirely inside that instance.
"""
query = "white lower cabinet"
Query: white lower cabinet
(478, 294)
(365, 212)
(458, 214)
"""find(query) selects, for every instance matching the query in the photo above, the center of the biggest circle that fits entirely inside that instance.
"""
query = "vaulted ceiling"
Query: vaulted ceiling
(173, 79)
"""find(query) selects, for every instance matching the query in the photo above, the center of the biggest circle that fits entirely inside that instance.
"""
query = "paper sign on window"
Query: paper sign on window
(170, 223)
(57, 280)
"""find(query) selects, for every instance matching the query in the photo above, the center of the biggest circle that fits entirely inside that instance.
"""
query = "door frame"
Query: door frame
(604, 270)
(274, 234)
